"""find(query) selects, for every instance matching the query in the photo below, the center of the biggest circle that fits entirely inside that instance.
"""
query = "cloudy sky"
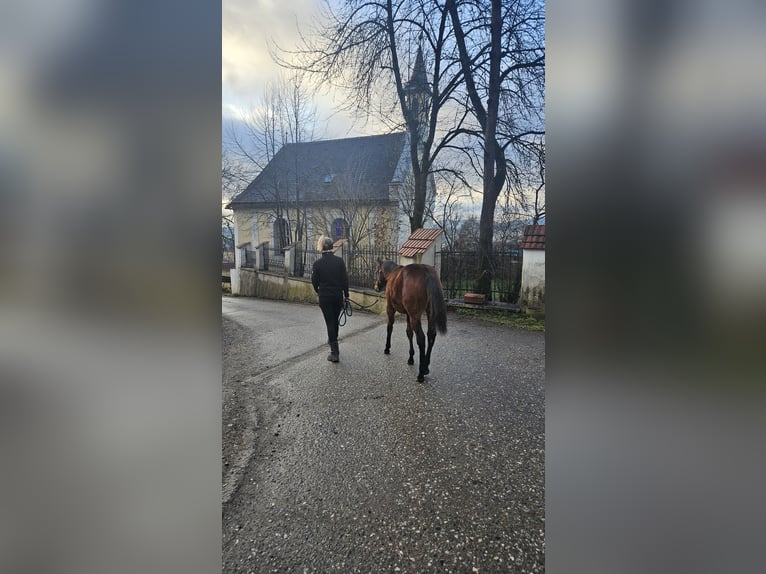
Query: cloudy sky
(247, 67)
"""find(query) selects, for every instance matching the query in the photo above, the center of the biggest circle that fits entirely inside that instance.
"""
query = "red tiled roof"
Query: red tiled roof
(423, 233)
(534, 237)
(419, 242)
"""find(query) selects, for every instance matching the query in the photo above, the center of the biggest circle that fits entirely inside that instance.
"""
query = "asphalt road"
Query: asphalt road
(356, 467)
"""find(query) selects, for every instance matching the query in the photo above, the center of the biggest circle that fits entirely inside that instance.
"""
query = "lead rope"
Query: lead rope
(346, 310)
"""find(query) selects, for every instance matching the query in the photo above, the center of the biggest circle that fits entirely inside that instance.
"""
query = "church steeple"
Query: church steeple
(418, 80)
(418, 94)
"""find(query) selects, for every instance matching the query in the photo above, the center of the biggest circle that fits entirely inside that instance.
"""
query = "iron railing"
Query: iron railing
(362, 264)
(273, 260)
(459, 272)
(458, 269)
(305, 261)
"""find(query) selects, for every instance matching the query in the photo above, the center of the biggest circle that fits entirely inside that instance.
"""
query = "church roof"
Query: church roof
(329, 170)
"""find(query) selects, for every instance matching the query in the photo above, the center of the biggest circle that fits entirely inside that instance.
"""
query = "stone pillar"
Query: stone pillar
(289, 252)
(407, 260)
(260, 256)
(240, 257)
(438, 259)
(428, 258)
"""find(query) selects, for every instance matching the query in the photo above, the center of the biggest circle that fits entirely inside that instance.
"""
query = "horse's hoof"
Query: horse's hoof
(410, 362)
(387, 352)
(421, 378)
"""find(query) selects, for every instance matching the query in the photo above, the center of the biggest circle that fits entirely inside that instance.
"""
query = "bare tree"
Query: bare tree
(539, 186)
(285, 115)
(484, 96)
(467, 237)
(448, 212)
(366, 48)
(234, 178)
(502, 56)
(525, 192)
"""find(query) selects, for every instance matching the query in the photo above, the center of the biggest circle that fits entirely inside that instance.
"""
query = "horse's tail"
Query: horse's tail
(437, 307)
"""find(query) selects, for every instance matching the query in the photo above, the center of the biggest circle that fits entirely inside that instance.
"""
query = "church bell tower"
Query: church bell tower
(418, 98)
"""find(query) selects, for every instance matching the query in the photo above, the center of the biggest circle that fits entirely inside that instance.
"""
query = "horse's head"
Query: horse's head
(381, 274)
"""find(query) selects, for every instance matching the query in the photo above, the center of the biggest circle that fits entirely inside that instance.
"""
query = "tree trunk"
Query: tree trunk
(419, 200)
(494, 180)
(494, 159)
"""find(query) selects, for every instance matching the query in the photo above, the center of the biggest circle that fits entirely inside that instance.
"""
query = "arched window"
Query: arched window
(339, 229)
(281, 236)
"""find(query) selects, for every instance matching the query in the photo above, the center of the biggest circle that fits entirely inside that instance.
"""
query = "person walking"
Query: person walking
(330, 280)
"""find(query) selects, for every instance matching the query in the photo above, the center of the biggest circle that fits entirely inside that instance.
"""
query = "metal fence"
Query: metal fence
(305, 261)
(362, 264)
(273, 260)
(459, 270)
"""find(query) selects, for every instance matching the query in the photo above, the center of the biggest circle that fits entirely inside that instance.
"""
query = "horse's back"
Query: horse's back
(413, 280)
(412, 290)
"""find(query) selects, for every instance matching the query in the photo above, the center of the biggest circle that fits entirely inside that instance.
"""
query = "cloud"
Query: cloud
(248, 28)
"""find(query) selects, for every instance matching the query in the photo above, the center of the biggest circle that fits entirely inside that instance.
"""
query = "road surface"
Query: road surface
(356, 467)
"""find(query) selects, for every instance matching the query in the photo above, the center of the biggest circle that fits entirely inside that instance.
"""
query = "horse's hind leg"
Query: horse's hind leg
(431, 339)
(422, 367)
(391, 315)
(410, 361)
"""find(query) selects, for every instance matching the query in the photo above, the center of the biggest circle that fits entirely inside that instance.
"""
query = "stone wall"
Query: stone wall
(252, 283)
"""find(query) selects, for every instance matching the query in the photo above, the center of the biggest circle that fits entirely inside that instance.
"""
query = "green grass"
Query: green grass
(510, 319)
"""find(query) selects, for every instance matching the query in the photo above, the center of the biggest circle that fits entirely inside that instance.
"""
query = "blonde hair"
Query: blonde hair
(324, 243)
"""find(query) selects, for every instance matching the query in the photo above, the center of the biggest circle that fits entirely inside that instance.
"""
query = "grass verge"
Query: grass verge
(516, 320)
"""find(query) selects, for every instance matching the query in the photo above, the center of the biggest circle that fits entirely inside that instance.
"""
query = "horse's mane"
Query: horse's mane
(388, 266)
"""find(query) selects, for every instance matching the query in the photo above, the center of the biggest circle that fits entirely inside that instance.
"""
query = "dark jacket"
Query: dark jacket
(329, 277)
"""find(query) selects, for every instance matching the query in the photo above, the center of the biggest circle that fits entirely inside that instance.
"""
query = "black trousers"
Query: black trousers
(331, 311)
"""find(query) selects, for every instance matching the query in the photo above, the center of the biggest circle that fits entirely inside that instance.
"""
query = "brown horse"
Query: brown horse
(411, 290)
